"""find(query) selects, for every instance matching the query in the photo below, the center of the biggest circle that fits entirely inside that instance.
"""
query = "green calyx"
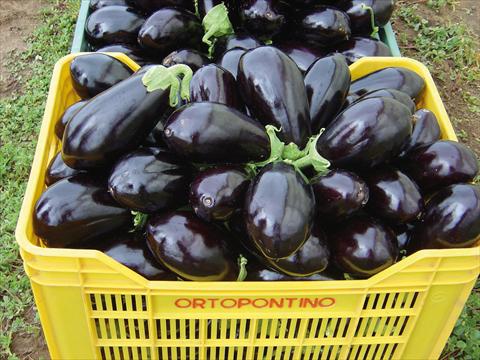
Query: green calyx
(242, 265)
(216, 24)
(177, 78)
(195, 3)
(291, 154)
(372, 18)
(139, 220)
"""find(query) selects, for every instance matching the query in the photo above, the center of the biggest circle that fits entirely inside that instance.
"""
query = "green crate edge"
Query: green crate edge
(80, 44)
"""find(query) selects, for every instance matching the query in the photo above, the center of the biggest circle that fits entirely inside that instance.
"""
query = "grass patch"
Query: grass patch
(20, 118)
(435, 44)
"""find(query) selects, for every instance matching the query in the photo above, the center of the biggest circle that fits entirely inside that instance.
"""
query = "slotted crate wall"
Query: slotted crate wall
(92, 307)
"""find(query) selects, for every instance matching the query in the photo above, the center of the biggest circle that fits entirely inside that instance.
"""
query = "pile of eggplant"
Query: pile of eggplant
(198, 32)
(272, 174)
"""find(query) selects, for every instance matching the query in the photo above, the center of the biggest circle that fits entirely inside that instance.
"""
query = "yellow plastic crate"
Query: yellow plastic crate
(92, 307)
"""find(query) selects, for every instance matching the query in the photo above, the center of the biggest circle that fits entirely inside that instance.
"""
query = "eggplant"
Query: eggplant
(359, 47)
(311, 258)
(361, 18)
(273, 89)
(440, 164)
(394, 197)
(403, 233)
(133, 52)
(98, 4)
(149, 181)
(230, 60)
(113, 25)
(107, 127)
(150, 6)
(390, 93)
(212, 83)
(323, 25)
(339, 193)
(362, 246)
(131, 250)
(425, 131)
(216, 193)
(192, 58)
(58, 170)
(192, 249)
(304, 55)
(66, 116)
(396, 78)
(279, 210)
(215, 133)
(240, 40)
(366, 134)
(94, 73)
(169, 28)
(451, 219)
(327, 83)
(262, 18)
(78, 209)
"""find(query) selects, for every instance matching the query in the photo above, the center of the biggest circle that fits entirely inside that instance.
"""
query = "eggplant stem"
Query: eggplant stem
(161, 77)
(195, 4)
(372, 19)
(216, 23)
(242, 263)
(276, 150)
(139, 220)
(313, 158)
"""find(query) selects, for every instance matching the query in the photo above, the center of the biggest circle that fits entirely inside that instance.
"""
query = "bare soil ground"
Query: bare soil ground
(17, 20)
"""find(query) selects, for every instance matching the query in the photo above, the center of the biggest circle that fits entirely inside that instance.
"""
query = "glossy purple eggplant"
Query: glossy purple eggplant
(394, 197)
(212, 83)
(303, 54)
(216, 193)
(191, 248)
(389, 93)
(359, 47)
(150, 181)
(106, 127)
(192, 58)
(258, 272)
(98, 4)
(94, 73)
(130, 249)
(113, 25)
(262, 18)
(273, 89)
(366, 134)
(361, 17)
(279, 210)
(323, 25)
(440, 164)
(240, 40)
(425, 131)
(168, 29)
(403, 232)
(231, 59)
(77, 209)
(66, 116)
(58, 170)
(363, 246)
(311, 258)
(327, 83)
(339, 193)
(397, 78)
(215, 133)
(150, 6)
(451, 219)
(132, 51)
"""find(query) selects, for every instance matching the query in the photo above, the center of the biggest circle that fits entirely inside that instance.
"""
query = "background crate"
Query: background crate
(92, 307)
(80, 43)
